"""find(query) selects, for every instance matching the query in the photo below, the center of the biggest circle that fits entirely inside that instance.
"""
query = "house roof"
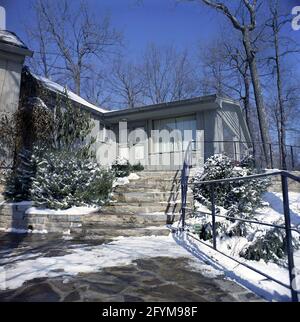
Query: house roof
(180, 107)
(10, 42)
(55, 87)
(194, 100)
(11, 38)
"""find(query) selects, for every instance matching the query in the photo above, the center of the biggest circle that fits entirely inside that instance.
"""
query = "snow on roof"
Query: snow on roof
(52, 86)
(11, 39)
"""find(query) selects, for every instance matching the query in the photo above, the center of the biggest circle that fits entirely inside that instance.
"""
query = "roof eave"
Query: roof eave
(15, 49)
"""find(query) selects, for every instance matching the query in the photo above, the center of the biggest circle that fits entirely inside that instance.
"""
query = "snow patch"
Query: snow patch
(120, 182)
(70, 211)
(24, 231)
(133, 176)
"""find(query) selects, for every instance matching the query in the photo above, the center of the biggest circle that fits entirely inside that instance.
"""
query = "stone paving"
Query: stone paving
(156, 279)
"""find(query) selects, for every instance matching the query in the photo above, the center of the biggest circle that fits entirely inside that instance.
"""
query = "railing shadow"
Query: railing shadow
(277, 204)
(187, 243)
(173, 197)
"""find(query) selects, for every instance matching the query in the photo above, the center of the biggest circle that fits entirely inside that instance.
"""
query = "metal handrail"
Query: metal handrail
(287, 226)
(237, 153)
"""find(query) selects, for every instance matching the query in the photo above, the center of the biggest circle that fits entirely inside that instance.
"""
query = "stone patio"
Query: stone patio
(155, 279)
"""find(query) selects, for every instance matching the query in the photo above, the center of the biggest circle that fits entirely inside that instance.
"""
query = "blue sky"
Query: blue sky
(184, 25)
(159, 21)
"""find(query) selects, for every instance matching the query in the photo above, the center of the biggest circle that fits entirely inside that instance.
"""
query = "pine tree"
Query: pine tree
(72, 127)
(64, 180)
(19, 182)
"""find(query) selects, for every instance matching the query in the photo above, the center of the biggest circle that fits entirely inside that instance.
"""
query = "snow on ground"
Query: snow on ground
(270, 213)
(70, 211)
(86, 259)
(275, 209)
(121, 181)
(255, 282)
(124, 250)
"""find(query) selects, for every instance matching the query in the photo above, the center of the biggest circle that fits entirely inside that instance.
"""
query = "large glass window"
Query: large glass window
(183, 128)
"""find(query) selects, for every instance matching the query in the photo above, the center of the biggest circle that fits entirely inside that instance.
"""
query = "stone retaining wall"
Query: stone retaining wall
(13, 216)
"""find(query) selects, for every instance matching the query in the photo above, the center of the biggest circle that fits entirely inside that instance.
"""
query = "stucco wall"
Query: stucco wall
(10, 77)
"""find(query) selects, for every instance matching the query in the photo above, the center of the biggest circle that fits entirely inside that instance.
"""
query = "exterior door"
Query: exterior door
(170, 140)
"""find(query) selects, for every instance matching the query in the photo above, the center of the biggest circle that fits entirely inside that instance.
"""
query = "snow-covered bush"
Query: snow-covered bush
(63, 180)
(271, 245)
(48, 135)
(122, 168)
(238, 199)
(137, 167)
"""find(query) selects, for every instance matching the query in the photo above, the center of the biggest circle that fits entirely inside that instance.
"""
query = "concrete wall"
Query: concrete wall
(10, 78)
(11, 63)
(211, 119)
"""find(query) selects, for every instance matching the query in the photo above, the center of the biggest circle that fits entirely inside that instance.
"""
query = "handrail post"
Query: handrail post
(183, 205)
(292, 158)
(289, 241)
(213, 214)
(271, 155)
(234, 151)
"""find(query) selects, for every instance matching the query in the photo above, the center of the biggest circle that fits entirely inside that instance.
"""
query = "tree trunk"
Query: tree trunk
(77, 84)
(246, 101)
(282, 134)
(261, 112)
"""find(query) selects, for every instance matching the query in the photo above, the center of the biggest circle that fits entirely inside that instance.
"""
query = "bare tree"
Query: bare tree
(126, 84)
(276, 23)
(167, 75)
(239, 63)
(214, 66)
(184, 81)
(74, 37)
(226, 72)
(95, 89)
(246, 23)
(40, 39)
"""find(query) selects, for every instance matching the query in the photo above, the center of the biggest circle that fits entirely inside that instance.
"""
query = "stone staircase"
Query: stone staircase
(155, 193)
(141, 207)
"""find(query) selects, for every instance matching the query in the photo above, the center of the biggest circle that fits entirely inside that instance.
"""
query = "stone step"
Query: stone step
(135, 208)
(159, 185)
(150, 180)
(136, 232)
(149, 173)
(127, 219)
(146, 197)
(167, 173)
(144, 189)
